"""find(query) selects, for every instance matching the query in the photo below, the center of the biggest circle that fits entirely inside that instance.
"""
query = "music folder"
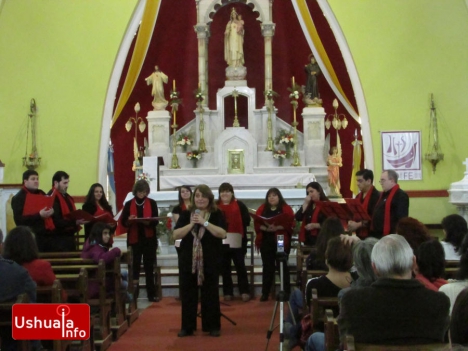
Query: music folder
(83, 215)
(34, 203)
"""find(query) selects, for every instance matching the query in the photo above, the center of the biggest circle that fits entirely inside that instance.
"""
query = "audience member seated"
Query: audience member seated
(430, 267)
(331, 228)
(413, 231)
(21, 247)
(95, 204)
(396, 309)
(455, 230)
(15, 281)
(339, 261)
(362, 251)
(454, 287)
(98, 247)
(459, 321)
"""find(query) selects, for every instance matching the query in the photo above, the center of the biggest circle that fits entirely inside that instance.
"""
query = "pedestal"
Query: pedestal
(314, 136)
(159, 133)
(459, 194)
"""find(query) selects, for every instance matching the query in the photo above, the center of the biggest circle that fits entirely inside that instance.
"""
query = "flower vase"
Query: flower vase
(287, 149)
(280, 162)
(184, 148)
(194, 162)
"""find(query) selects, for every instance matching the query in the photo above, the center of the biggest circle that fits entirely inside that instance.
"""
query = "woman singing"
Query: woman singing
(238, 219)
(95, 204)
(141, 235)
(201, 230)
(266, 239)
(310, 214)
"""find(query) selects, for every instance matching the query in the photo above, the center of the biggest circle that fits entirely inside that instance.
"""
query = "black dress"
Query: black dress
(210, 310)
(145, 247)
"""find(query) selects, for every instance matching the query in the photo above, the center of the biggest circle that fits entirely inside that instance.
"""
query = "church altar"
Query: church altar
(239, 154)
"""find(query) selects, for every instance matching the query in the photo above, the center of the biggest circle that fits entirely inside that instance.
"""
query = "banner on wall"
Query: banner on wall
(401, 151)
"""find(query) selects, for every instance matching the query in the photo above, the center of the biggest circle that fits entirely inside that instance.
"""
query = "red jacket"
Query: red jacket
(41, 272)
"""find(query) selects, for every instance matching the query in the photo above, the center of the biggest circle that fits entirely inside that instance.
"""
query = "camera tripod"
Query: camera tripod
(280, 299)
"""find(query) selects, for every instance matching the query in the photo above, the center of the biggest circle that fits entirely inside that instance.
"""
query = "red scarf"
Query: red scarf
(133, 229)
(233, 217)
(388, 204)
(48, 222)
(314, 219)
(364, 232)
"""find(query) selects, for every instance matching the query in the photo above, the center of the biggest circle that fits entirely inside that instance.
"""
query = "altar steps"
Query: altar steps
(169, 275)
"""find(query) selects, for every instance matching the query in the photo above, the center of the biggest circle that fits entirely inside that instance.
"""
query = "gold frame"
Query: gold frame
(231, 157)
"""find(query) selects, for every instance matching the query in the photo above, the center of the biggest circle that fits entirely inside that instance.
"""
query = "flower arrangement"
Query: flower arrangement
(194, 155)
(184, 140)
(285, 138)
(144, 176)
(294, 94)
(277, 154)
(175, 100)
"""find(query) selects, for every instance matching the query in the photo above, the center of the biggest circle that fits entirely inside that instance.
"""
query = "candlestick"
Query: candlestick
(293, 83)
(173, 85)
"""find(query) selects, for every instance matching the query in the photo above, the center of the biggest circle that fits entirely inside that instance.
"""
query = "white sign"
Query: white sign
(401, 151)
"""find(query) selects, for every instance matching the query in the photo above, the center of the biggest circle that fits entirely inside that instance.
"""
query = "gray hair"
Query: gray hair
(392, 255)
(392, 175)
(362, 252)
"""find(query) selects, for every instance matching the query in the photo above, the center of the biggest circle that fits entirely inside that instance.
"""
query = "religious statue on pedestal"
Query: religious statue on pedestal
(311, 93)
(234, 47)
(157, 78)
(334, 163)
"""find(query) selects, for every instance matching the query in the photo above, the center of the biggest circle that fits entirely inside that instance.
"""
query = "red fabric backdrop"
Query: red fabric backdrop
(174, 48)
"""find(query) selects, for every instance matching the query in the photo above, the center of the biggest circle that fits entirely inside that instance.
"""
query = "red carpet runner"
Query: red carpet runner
(158, 325)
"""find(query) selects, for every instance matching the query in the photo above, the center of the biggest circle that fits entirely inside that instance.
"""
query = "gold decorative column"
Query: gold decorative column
(200, 98)
(294, 96)
(235, 94)
(269, 95)
(175, 106)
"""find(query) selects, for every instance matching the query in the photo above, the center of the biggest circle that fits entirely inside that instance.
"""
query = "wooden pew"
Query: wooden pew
(302, 252)
(96, 273)
(332, 334)
(352, 346)
(318, 305)
(5, 319)
(119, 323)
(132, 310)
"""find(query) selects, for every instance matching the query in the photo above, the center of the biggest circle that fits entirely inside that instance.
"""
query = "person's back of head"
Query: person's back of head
(20, 245)
(430, 257)
(463, 271)
(392, 257)
(362, 252)
(338, 255)
(456, 229)
(459, 319)
(414, 231)
(330, 228)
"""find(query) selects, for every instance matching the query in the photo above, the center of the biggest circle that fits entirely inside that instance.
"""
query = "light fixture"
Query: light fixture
(434, 156)
(31, 160)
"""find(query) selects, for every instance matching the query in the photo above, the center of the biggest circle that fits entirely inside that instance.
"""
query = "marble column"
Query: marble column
(268, 31)
(203, 34)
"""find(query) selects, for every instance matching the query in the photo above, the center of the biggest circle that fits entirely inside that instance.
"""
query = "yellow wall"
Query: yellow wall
(405, 50)
(61, 52)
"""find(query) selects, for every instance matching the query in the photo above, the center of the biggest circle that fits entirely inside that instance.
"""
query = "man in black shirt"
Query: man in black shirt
(37, 221)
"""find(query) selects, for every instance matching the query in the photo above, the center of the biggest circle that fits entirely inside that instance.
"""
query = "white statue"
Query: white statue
(234, 40)
(157, 78)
